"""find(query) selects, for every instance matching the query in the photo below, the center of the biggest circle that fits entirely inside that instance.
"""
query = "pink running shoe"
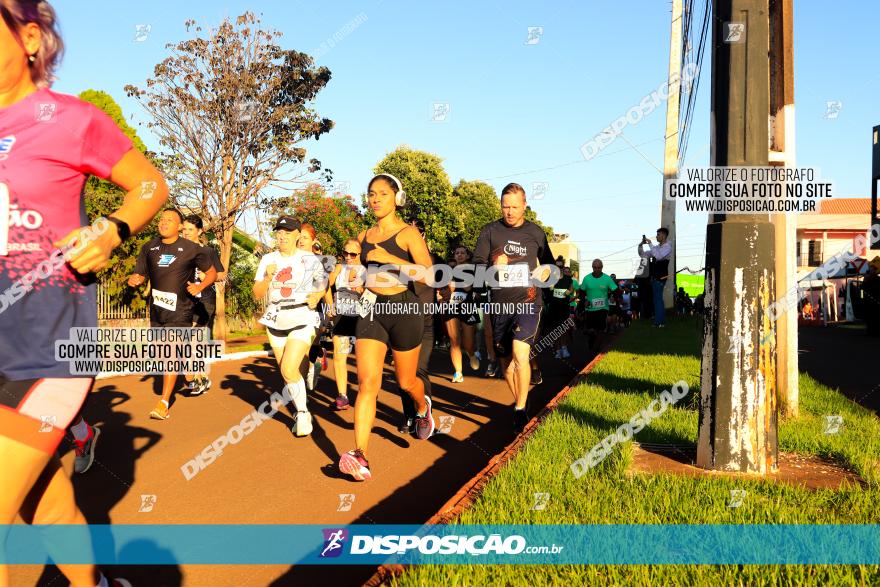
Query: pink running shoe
(355, 464)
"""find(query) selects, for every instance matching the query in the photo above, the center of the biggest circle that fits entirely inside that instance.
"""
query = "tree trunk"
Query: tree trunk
(220, 325)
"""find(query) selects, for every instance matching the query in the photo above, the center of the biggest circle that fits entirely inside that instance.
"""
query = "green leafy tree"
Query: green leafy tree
(232, 111)
(477, 204)
(240, 279)
(532, 216)
(336, 218)
(102, 198)
(429, 194)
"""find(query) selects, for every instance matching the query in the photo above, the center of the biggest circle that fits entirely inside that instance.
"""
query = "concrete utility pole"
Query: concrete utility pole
(875, 183)
(670, 152)
(782, 152)
(738, 378)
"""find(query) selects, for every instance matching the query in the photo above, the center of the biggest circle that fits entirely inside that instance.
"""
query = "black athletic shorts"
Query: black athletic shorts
(178, 319)
(204, 314)
(595, 320)
(457, 310)
(345, 326)
(395, 320)
(509, 327)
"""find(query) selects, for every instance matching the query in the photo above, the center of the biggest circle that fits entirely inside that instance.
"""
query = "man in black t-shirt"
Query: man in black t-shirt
(169, 262)
(205, 303)
(515, 247)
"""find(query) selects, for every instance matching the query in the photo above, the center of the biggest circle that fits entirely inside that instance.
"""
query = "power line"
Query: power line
(487, 179)
(689, 57)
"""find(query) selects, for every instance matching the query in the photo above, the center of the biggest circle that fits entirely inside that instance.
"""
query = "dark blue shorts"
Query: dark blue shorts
(509, 327)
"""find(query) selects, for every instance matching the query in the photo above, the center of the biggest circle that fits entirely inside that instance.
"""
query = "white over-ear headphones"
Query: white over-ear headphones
(400, 196)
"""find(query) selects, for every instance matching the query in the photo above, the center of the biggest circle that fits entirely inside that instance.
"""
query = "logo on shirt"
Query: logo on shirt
(6, 146)
(283, 276)
(515, 249)
(29, 219)
(166, 260)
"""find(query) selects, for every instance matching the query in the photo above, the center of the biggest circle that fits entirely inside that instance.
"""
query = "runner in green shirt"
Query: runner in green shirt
(596, 288)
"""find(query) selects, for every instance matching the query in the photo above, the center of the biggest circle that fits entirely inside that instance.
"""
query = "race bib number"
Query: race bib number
(458, 297)
(271, 316)
(346, 303)
(598, 303)
(4, 219)
(560, 293)
(290, 318)
(165, 299)
(513, 276)
(367, 301)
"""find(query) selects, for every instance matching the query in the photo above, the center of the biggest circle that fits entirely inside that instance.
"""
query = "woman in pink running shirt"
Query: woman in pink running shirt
(49, 144)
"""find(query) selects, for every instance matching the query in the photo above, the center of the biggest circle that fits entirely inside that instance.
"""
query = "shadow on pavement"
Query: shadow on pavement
(113, 472)
(422, 497)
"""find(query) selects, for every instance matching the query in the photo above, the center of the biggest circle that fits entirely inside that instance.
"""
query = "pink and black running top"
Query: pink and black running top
(49, 144)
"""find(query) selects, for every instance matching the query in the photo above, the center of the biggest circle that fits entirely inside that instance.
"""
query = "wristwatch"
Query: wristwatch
(122, 228)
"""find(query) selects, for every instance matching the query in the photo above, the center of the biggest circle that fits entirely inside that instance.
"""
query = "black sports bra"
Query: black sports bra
(389, 244)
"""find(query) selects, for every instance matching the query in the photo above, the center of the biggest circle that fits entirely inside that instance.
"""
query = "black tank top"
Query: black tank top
(389, 244)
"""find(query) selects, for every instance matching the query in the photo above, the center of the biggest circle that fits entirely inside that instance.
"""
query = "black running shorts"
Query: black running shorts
(509, 327)
(396, 320)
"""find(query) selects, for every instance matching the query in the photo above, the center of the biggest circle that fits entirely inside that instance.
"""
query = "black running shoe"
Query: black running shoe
(406, 426)
(492, 369)
(536, 377)
(520, 419)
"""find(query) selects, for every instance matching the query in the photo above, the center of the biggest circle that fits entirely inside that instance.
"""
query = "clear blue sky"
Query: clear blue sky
(515, 107)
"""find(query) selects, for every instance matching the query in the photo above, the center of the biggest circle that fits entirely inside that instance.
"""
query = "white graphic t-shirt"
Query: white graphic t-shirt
(296, 276)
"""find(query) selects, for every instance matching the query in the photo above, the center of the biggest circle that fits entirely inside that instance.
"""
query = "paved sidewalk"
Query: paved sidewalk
(270, 477)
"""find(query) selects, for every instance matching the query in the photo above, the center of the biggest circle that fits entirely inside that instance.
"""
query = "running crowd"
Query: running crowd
(48, 266)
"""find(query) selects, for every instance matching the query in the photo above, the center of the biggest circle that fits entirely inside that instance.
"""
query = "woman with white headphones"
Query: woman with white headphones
(391, 316)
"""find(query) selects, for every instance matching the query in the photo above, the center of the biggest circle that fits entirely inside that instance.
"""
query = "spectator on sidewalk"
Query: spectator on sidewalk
(683, 303)
(659, 258)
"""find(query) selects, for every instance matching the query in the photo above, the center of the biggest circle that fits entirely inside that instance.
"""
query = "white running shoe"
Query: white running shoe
(475, 363)
(303, 426)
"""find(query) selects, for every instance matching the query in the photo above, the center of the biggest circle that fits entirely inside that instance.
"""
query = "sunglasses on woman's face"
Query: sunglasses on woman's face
(349, 254)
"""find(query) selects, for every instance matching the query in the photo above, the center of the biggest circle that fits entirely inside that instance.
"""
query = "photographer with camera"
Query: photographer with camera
(658, 256)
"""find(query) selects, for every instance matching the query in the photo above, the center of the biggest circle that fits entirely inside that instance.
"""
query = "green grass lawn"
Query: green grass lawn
(245, 333)
(624, 382)
(244, 346)
(249, 347)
